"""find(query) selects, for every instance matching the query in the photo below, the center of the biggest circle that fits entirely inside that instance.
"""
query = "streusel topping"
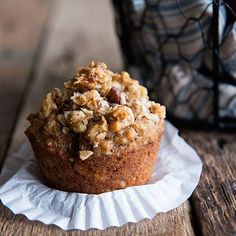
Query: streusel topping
(104, 108)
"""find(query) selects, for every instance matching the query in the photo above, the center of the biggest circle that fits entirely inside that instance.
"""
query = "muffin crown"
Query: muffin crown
(105, 109)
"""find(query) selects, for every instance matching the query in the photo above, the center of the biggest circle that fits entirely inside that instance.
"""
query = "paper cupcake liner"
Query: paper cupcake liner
(173, 181)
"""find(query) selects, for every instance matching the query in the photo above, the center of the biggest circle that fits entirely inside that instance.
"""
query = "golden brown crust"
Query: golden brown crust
(108, 109)
(98, 133)
(130, 167)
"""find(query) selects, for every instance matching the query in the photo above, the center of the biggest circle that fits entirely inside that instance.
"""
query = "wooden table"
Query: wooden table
(41, 42)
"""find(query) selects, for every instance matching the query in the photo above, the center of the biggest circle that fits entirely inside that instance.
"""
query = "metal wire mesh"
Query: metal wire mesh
(185, 53)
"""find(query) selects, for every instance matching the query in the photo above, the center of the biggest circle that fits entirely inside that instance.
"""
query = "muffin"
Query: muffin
(98, 133)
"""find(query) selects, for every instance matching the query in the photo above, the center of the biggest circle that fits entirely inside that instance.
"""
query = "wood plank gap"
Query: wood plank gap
(195, 218)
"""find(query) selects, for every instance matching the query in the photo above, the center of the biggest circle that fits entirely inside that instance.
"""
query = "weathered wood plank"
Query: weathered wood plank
(214, 200)
(174, 223)
(21, 27)
(79, 33)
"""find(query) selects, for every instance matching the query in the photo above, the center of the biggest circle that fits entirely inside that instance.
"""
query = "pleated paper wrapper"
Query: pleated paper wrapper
(175, 177)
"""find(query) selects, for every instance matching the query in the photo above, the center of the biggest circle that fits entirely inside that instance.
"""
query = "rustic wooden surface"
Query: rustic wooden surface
(22, 25)
(214, 200)
(76, 34)
(173, 223)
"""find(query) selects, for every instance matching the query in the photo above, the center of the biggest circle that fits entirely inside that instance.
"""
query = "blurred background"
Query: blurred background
(43, 41)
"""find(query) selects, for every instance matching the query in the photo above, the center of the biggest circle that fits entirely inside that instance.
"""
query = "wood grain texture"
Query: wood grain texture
(78, 34)
(174, 223)
(214, 200)
(21, 27)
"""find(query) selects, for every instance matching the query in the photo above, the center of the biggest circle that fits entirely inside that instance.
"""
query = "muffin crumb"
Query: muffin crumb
(85, 154)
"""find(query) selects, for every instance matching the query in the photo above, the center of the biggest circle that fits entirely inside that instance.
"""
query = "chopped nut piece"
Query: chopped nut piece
(96, 129)
(156, 108)
(151, 116)
(115, 126)
(85, 154)
(114, 95)
(48, 105)
(106, 146)
(101, 136)
(89, 99)
(120, 117)
(143, 92)
(80, 127)
(131, 134)
(78, 120)
(126, 80)
(61, 96)
(103, 108)
(96, 76)
(136, 91)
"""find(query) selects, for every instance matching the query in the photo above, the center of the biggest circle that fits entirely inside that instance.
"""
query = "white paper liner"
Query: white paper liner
(173, 181)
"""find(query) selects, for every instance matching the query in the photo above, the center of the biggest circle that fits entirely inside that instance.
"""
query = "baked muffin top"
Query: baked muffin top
(105, 110)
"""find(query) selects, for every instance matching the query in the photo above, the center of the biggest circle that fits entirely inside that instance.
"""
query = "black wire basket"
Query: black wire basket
(184, 52)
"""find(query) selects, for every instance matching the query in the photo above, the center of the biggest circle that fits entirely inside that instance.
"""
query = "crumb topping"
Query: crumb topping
(105, 108)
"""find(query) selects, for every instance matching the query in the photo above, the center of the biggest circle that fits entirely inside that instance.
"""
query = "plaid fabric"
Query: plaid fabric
(168, 46)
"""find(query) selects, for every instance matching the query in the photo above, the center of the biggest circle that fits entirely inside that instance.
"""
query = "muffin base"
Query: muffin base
(98, 174)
